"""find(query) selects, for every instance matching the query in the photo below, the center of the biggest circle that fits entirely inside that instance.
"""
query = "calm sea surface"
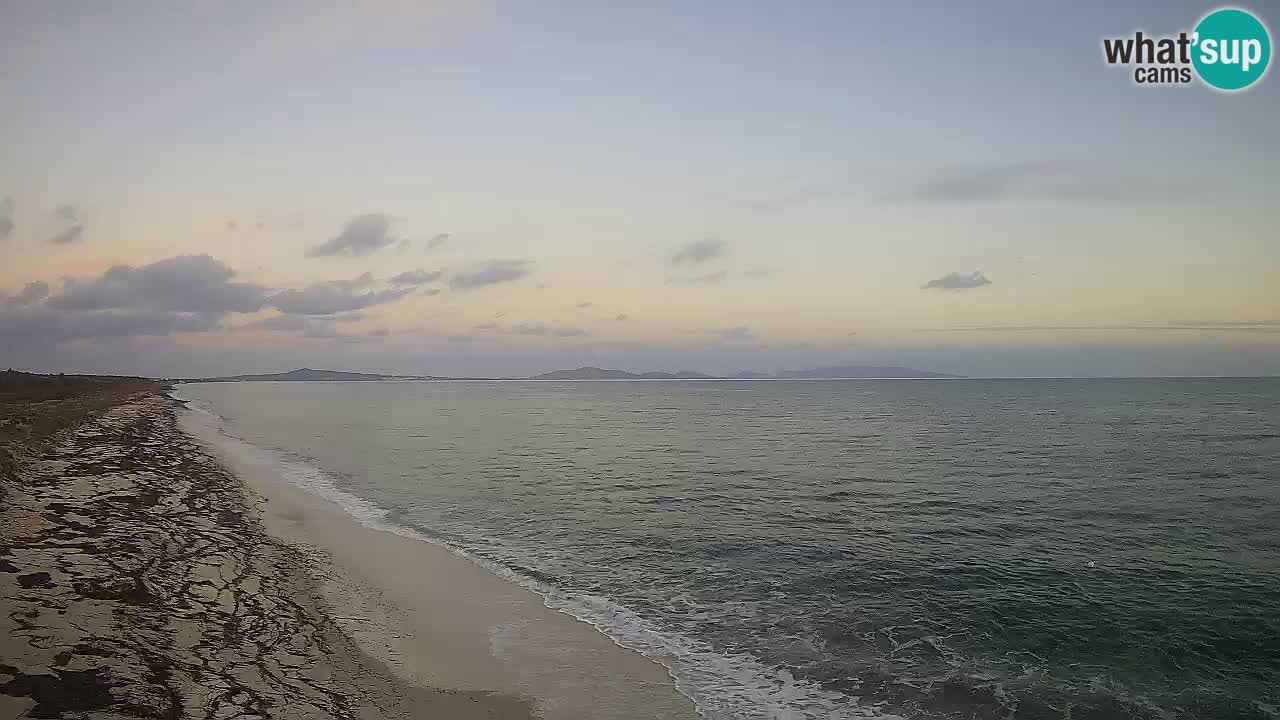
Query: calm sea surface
(927, 549)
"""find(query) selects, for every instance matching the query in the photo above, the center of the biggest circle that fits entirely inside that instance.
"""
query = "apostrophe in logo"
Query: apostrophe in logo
(1229, 50)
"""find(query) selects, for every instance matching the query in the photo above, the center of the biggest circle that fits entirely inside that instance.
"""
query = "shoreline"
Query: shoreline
(137, 580)
(405, 599)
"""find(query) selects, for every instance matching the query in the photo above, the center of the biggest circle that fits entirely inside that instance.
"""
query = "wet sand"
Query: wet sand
(440, 620)
(135, 581)
(151, 568)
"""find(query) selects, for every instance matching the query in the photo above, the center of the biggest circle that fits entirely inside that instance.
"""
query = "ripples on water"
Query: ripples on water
(829, 549)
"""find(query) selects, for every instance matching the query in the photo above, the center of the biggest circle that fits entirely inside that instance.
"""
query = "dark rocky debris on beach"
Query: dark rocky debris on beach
(136, 582)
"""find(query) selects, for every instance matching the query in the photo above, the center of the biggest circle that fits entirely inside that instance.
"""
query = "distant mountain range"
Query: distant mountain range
(840, 372)
(594, 373)
(307, 375)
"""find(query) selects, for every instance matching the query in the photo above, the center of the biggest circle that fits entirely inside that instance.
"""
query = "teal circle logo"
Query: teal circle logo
(1231, 49)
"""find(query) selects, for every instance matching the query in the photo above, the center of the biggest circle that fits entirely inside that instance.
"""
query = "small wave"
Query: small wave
(721, 685)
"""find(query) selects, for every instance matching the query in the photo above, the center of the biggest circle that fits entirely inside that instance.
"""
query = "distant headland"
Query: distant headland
(839, 372)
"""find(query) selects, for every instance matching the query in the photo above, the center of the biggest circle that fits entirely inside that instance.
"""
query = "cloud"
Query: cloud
(187, 283)
(362, 235)
(1259, 326)
(417, 277)
(335, 296)
(33, 292)
(438, 240)
(69, 236)
(310, 326)
(973, 184)
(74, 230)
(41, 323)
(378, 332)
(231, 225)
(543, 329)
(698, 251)
(6, 218)
(281, 323)
(188, 293)
(799, 195)
(1035, 179)
(537, 329)
(957, 281)
(622, 317)
(491, 272)
(711, 278)
(584, 305)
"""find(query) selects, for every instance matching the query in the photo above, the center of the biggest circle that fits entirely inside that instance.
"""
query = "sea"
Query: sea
(1014, 549)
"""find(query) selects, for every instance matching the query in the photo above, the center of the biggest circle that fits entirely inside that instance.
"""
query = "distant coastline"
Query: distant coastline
(589, 373)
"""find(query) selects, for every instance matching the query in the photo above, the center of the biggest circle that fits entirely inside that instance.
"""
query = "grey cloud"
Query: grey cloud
(417, 277)
(532, 328)
(187, 283)
(958, 281)
(362, 235)
(335, 296)
(324, 328)
(33, 292)
(6, 218)
(379, 332)
(36, 324)
(1037, 179)
(698, 251)
(231, 225)
(711, 278)
(429, 291)
(543, 329)
(281, 323)
(584, 305)
(973, 184)
(359, 281)
(438, 240)
(68, 236)
(74, 230)
(190, 293)
(799, 195)
(1261, 326)
(491, 272)
(622, 317)
(302, 323)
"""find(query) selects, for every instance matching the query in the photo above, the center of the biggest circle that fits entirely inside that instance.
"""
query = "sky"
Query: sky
(465, 188)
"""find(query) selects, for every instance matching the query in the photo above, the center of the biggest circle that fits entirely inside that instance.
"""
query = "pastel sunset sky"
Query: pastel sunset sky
(512, 187)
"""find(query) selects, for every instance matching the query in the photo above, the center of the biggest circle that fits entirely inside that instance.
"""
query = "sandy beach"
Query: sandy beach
(149, 572)
(440, 620)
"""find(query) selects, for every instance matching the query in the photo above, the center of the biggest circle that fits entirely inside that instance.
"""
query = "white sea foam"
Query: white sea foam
(722, 686)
